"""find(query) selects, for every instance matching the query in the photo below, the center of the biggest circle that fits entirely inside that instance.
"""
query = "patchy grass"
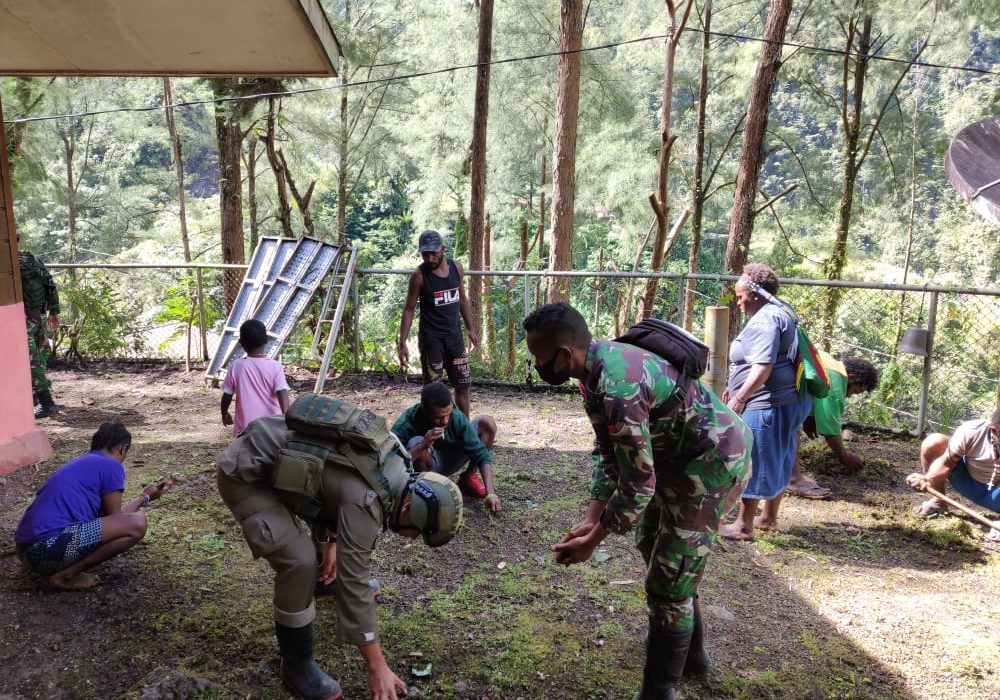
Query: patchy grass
(832, 606)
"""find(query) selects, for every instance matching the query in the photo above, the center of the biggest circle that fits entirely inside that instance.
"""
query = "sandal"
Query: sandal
(809, 490)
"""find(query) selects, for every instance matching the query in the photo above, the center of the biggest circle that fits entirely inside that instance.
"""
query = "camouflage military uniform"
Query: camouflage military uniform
(671, 477)
(40, 298)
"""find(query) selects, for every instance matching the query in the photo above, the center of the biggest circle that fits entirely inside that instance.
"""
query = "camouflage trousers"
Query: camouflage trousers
(38, 354)
(676, 530)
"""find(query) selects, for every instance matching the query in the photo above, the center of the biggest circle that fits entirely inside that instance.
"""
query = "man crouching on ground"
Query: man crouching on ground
(441, 439)
(353, 494)
(77, 520)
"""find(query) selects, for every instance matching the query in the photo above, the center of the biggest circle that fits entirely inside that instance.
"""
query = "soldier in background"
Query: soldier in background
(41, 299)
(670, 475)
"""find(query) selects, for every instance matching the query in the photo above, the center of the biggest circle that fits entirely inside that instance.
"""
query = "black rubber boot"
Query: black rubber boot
(49, 406)
(40, 411)
(697, 658)
(666, 652)
(298, 668)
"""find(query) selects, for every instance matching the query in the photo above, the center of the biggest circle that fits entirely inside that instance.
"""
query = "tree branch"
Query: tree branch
(770, 203)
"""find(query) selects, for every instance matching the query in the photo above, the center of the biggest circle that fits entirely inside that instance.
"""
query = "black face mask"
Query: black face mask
(549, 374)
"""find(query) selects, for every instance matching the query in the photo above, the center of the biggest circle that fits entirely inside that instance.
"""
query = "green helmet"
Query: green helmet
(435, 507)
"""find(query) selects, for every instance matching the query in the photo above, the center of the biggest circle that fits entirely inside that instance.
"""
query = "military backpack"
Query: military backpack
(328, 431)
(687, 354)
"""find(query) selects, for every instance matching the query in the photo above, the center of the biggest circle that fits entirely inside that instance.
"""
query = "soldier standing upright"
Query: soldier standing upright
(41, 299)
(670, 470)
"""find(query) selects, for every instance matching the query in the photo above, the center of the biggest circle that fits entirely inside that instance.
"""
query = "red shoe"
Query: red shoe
(471, 485)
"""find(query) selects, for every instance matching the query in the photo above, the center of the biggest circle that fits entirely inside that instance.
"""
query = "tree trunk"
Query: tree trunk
(69, 152)
(834, 265)
(342, 169)
(301, 200)
(564, 151)
(658, 199)
(477, 164)
(698, 192)
(540, 286)
(541, 214)
(284, 211)
(194, 279)
(597, 290)
(910, 221)
(252, 193)
(523, 257)
(752, 151)
(491, 332)
(230, 140)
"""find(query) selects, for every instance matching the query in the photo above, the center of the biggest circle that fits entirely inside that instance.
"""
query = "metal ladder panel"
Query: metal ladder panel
(342, 288)
(279, 296)
(263, 267)
(287, 298)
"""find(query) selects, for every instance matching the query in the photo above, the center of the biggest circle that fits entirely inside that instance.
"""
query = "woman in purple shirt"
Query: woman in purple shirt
(77, 520)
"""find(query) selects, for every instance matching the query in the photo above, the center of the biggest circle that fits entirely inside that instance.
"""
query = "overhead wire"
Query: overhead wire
(501, 61)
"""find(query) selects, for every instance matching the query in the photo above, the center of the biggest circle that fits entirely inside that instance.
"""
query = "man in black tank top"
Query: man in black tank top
(438, 287)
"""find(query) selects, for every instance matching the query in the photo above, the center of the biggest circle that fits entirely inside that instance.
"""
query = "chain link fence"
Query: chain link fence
(146, 311)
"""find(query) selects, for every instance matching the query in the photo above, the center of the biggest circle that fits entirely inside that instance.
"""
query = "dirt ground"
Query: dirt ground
(854, 598)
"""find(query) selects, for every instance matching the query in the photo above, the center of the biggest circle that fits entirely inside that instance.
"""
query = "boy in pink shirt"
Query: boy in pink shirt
(257, 383)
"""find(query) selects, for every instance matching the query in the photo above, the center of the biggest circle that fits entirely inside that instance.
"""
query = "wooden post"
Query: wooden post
(717, 340)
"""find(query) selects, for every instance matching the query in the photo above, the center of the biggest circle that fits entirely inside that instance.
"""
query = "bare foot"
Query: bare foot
(931, 507)
(735, 531)
(761, 524)
(80, 582)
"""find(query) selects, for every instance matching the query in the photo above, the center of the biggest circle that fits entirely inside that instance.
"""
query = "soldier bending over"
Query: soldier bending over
(348, 493)
(671, 476)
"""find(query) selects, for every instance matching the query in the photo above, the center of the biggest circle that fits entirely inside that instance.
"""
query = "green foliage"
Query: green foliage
(179, 305)
(398, 151)
(100, 322)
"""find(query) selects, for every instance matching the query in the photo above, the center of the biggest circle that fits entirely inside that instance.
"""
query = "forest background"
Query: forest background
(867, 97)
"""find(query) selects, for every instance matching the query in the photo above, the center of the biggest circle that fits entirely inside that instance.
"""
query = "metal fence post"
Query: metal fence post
(926, 379)
(356, 297)
(679, 313)
(527, 310)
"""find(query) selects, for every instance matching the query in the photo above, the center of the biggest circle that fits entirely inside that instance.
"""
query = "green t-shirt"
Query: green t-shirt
(458, 434)
(829, 411)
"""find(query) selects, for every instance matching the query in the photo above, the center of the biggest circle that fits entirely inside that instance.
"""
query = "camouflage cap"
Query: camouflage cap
(435, 507)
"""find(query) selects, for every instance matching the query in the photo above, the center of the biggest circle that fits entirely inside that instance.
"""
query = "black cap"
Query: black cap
(430, 242)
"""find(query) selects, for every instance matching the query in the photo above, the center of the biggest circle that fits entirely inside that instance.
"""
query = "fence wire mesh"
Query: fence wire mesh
(147, 312)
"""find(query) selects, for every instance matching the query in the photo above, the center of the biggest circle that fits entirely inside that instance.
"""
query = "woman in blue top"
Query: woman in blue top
(77, 520)
(762, 390)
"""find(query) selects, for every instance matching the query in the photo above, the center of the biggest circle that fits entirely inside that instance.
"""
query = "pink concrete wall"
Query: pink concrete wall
(17, 415)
